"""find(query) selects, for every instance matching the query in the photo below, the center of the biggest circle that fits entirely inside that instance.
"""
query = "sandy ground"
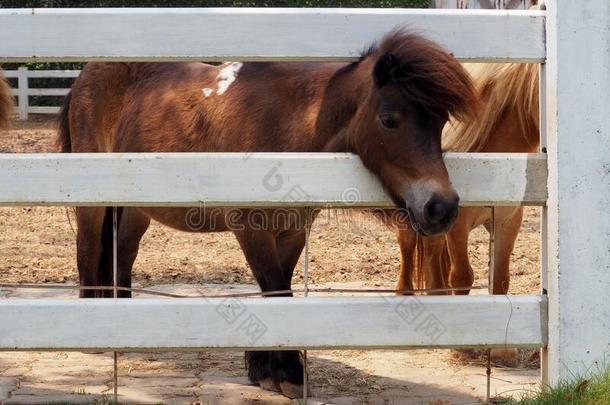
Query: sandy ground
(38, 245)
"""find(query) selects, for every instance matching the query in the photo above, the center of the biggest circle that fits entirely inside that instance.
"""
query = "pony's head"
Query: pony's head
(396, 131)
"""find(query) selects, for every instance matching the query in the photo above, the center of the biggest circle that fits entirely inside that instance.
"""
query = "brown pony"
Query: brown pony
(509, 122)
(389, 108)
(6, 102)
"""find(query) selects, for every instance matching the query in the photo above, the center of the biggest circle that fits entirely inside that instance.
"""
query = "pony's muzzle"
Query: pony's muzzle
(432, 208)
(440, 213)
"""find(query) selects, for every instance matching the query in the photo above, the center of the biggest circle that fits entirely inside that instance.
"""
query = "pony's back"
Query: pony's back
(6, 102)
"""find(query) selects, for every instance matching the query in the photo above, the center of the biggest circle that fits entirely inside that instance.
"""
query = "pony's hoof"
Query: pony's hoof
(291, 390)
(269, 385)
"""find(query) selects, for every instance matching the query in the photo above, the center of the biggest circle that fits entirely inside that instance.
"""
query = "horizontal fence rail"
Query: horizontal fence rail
(43, 92)
(43, 74)
(220, 34)
(282, 323)
(250, 180)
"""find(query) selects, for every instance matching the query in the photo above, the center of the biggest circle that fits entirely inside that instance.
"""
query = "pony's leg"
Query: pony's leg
(132, 227)
(407, 241)
(433, 250)
(105, 266)
(461, 273)
(90, 221)
(289, 247)
(508, 225)
(271, 369)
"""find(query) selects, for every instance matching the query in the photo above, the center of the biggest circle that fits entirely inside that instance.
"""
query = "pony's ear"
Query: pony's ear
(384, 68)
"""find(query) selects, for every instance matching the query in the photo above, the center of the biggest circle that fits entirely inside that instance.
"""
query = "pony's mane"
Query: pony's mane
(6, 102)
(428, 75)
(501, 86)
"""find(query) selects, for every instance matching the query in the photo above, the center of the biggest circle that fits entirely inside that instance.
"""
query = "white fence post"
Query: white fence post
(578, 123)
(22, 92)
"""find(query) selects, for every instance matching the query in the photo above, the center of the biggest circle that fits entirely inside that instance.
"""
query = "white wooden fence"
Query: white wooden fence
(23, 90)
(574, 331)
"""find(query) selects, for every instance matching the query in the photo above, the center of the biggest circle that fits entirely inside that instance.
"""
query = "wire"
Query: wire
(115, 294)
(310, 290)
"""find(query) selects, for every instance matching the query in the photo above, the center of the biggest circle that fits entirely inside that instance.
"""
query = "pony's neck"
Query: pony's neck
(347, 89)
(510, 134)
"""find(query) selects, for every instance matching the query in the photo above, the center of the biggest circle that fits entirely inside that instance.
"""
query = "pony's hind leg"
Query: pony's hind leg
(132, 228)
(89, 248)
(276, 370)
(106, 258)
(508, 224)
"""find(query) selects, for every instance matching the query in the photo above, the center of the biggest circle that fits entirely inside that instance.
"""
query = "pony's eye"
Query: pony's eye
(388, 121)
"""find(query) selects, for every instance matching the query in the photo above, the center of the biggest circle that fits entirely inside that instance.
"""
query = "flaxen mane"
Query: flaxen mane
(428, 74)
(6, 103)
(502, 87)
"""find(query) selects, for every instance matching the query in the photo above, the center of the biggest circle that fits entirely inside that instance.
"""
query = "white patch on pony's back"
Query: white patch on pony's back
(207, 91)
(227, 76)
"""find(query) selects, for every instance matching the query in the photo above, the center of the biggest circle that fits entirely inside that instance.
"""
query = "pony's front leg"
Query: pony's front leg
(461, 274)
(407, 240)
(434, 263)
(273, 370)
(508, 224)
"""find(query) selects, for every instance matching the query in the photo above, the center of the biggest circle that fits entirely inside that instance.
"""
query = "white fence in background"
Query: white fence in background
(572, 38)
(24, 91)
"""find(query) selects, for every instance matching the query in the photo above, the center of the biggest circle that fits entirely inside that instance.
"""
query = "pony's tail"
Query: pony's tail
(63, 143)
(6, 102)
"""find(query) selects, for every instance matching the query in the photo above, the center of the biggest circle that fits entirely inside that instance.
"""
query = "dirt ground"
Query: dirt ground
(38, 245)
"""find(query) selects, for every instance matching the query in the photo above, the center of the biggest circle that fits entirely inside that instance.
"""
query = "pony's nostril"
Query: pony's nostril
(442, 211)
(435, 210)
